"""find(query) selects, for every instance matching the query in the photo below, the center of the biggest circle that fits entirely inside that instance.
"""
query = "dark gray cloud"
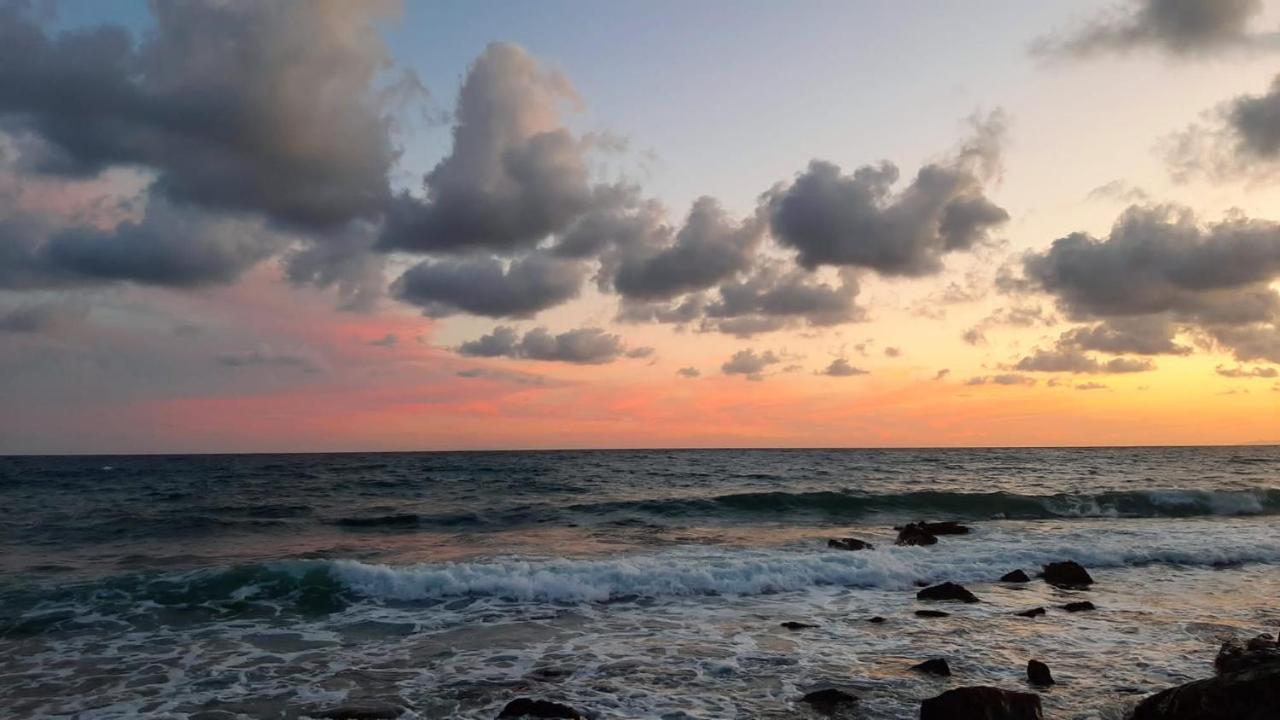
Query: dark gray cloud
(1160, 269)
(1239, 140)
(709, 248)
(1001, 379)
(387, 341)
(515, 378)
(1247, 372)
(944, 372)
(840, 367)
(689, 372)
(265, 356)
(750, 363)
(1012, 316)
(857, 220)
(514, 176)
(1142, 335)
(774, 297)
(342, 260)
(1178, 27)
(263, 107)
(42, 315)
(1072, 360)
(583, 346)
(490, 287)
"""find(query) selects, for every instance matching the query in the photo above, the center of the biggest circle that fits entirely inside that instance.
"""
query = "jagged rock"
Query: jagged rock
(914, 535)
(932, 613)
(1236, 655)
(1067, 574)
(981, 703)
(793, 625)
(524, 707)
(947, 591)
(849, 544)
(1038, 673)
(1033, 612)
(936, 666)
(1252, 694)
(1079, 606)
(947, 527)
(828, 700)
(361, 710)
(1015, 576)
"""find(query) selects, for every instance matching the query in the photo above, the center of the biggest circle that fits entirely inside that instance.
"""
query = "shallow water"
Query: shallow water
(628, 584)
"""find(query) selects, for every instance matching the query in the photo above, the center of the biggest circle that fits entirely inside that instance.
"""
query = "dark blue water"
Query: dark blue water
(445, 582)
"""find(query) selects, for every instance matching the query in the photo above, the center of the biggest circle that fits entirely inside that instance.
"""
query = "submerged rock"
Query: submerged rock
(981, 703)
(849, 544)
(936, 666)
(828, 700)
(361, 710)
(1033, 612)
(1067, 574)
(1015, 576)
(1252, 694)
(1236, 655)
(793, 625)
(1079, 606)
(1038, 673)
(877, 620)
(914, 535)
(932, 613)
(525, 707)
(947, 527)
(947, 591)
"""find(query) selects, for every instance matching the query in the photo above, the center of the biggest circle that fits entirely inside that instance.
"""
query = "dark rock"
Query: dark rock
(981, 703)
(849, 544)
(829, 700)
(1067, 574)
(948, 527)
(1033, 612)
(932, 613)
(947, 591)
(914, 535)
(1038, 673)
(793, 625)
(1236, 655)
(524, 707)
(1016, 576)
(1252, 694)
(1079, 606)
(936, 666)
(877, 620)
(361, 710)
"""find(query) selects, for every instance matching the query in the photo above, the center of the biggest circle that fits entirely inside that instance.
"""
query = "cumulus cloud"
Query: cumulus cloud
(1246, 372)
(1239, 140)
(750, 363)
(1071, 360)
(583, 346)
(1160, 269)
(1177, 27)
(1001, 379)
(857, 220)
(1118, 191)
(514, 175)
(1142, 335)
(840, 367)
(689, 372)
(774, 297)
(490, 287)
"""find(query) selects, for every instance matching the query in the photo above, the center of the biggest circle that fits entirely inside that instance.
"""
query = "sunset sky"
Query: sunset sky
(327, 226)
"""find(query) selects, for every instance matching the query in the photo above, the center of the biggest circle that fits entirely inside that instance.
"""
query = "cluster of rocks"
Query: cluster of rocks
(1246, 687)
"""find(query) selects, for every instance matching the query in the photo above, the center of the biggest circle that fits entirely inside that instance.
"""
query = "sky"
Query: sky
(310, 225)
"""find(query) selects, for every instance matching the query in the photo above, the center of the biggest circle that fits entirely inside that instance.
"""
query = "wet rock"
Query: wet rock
(361, 710)
(1252, 694)
(936, 666)
(1033, 612)
(947, 527)
(1067, 574)
(1038, 673)
(1081, 606)
(914, 535)
(525, 707)
(828, 700)
(877, 620)
(981, 703)
(1015, 576)
(932, 613)
(947, 591)
(793, 625)
(849, 544)
(1236, 655)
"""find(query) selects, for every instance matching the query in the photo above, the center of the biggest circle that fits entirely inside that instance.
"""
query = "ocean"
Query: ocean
(627, 584)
